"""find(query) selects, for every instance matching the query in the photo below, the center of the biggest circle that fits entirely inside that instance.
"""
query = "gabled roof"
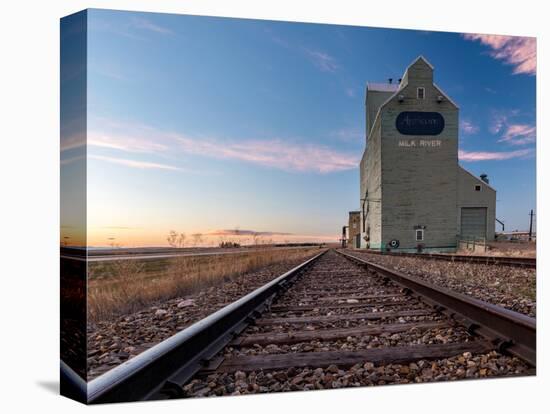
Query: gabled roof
(422, 58)
(446, 96)
(476, 177)
(400, 85)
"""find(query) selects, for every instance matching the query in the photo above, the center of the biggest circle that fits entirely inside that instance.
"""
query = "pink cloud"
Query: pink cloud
(73, 141)
(274, 153)
(468, 156)
(135, 164)
(498, 121)
(468, 127)
(125, 143)
(511, 131)
(520, 52)
(519, 134)
(66, 161)
(264, 237)
(239, 232)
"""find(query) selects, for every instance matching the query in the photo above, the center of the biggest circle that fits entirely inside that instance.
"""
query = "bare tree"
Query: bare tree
(197, 239)
(176, 239)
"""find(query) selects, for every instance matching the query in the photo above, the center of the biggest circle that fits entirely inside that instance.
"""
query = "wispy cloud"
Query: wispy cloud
(133, 28)
(511, 131)
(499, 119)
(143, 165)
(274, 236)
(350, 92)
(145, 24)
(274, 153)
(520, 52)
(276, 39)
(322, 60)
(349, 134)
(468, 127)
(519, 134)
(70, 160)
(238, 232)
(107, 69)
(468, 156)
(72, 141)
(126, 143)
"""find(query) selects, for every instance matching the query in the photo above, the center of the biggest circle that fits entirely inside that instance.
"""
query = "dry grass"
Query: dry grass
(506, 249)
(513, 249)
(125, 286)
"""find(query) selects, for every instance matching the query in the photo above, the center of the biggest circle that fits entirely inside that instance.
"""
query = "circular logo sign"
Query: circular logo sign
(394, 244)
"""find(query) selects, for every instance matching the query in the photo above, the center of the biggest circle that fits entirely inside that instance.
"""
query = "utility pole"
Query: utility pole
(531, 225)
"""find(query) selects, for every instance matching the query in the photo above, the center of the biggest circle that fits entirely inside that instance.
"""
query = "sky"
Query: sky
(211, 125)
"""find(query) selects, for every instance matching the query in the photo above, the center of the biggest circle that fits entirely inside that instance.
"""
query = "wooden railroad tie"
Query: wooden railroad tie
(332, 334)
(392, 355)
(349, 317)
(308, 307)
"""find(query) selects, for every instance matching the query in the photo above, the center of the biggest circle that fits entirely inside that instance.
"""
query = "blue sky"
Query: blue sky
(201, 124)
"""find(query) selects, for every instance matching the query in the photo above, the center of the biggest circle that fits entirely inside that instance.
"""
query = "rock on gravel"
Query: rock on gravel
(186, 302)
(487, 365)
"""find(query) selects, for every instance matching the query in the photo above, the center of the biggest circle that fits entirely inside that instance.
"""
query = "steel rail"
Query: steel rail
(510, 331)
(527, 262)
(71, 385)
(160, 371)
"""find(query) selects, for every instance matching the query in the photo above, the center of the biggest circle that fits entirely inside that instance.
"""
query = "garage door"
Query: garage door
(473, 223)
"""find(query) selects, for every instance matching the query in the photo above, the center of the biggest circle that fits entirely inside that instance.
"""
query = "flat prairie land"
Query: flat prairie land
(120, 287)
(520, 248)
(512, 249)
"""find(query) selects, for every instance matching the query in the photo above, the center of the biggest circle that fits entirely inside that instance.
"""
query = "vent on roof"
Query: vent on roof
(484, 178)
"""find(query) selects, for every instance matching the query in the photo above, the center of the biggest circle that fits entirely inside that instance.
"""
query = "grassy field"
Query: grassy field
(123, 286)
(508, 249)
(515, 249)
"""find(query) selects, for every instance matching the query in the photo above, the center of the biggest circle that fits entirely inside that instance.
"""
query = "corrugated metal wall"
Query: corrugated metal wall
(473, 223)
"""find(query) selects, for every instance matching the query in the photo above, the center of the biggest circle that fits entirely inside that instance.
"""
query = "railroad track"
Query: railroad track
(332, 313)
(527, 262)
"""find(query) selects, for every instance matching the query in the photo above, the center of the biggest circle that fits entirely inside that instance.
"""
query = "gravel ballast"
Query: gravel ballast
(465, 366)
(511, 287)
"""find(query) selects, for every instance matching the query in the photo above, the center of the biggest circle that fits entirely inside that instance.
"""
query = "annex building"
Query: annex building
(413, 193)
